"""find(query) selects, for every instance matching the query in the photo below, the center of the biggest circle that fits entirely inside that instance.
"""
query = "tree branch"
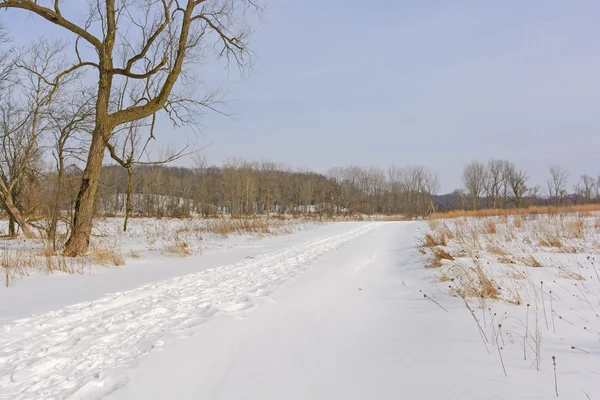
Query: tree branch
(226, 39)
(152, 38)
(127, 72)
(53, 16)
(156, 103)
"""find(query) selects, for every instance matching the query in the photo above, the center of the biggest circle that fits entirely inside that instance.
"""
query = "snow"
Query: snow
(39, 292)
(548, 295)
(65, 352)
(331, 312)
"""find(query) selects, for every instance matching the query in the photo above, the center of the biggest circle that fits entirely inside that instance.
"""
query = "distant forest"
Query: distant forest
(242, 188)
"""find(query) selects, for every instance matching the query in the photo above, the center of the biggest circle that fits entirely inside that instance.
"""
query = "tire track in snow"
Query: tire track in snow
(67, 353)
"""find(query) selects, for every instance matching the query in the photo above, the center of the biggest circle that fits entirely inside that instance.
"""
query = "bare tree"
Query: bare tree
(163, 40)
(201, 199)
(239, 185)
(585, 188)
(18, 148)
(268, 185)
(516, 183)
(431, 186)
(460, 199)
(131, 150)
(533, 194)
(23, 124)
(495, 181)
(557, 184)
(343, 191)
(474, 176)
(306, 191)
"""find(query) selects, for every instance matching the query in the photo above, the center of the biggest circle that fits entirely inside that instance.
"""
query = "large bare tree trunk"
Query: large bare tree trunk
(79, 241)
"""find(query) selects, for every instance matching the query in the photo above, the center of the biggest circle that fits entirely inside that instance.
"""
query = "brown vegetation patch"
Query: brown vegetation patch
(584, 209)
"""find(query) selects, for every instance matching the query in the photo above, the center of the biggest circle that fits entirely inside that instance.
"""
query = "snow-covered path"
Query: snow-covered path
(352, 326)
(67, 352)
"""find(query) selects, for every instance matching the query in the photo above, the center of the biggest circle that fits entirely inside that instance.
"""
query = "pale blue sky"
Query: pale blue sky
(437, 83)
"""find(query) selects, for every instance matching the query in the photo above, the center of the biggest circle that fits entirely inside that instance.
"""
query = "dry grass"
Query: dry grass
(497, 251)
(18, 263)
(585, 210)
(551, 241)
(517, 222)
(158, 230)
(514, 294)
(488, 289)
(134, 254)
(475, 242)
(516, 274)
(505, 259)
(575, 228)
(444, 278)
(69, 265)
(179, 248)
(433, 240)
(490, 227)
(548, 236)
(442, 254)
(597, 223)
(474, 282)
(14, 265)
(434, 263)
(531, 261)
(566, 273)
(515, 248)
(104, 255)
(228, 226)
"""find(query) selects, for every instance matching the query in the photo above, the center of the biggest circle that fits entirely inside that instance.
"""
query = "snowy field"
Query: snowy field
(324, 311)
(146, 241)
(532, 283)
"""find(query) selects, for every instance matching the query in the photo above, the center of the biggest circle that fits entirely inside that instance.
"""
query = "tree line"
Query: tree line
(500, 184)
(238, 188)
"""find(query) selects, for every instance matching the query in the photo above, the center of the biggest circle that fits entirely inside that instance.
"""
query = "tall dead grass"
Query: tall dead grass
(490, 227)
(68, 265)
(179, 248)
(434, 239)
(517, 222)
(584, 209)
(18, 263)
(229, 226)
(534, 245)
(474, 282)
(105, 255)
(14, 264)
(575, 227)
